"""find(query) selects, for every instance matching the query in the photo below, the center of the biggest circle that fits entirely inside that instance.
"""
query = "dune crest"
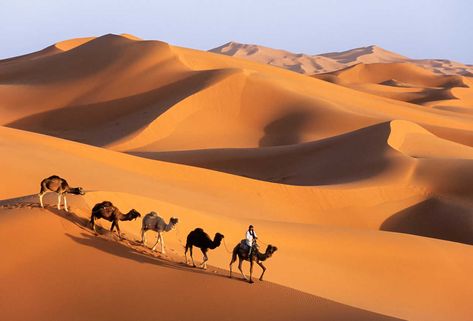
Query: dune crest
(72, 43)
(333, 61)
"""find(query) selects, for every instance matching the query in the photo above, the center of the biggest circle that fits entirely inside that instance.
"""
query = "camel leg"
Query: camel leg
(192, 256)
(157, 240)
(231, 263)
(41, 195)
(118, 229)
(162, 244)
(58, 201)
(264, 269)
(251, 270)
(240, 262)
(65, 203)
(204, 263)
(143, 237)
(92, 221)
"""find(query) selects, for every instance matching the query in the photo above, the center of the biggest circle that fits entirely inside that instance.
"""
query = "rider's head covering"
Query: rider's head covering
(251, 226)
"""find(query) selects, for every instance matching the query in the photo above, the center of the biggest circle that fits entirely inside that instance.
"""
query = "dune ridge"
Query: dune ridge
(333, 61)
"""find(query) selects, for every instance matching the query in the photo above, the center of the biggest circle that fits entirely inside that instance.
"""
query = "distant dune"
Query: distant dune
(329, 62)
(361, 175)
(407, 82)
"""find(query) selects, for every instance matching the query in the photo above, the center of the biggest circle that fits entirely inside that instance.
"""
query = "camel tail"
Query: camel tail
(235, 253)
(188, 242)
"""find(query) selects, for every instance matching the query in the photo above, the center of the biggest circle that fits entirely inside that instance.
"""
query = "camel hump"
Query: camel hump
(150, 220)
(101, 205)
(199, 230)
(53, 177)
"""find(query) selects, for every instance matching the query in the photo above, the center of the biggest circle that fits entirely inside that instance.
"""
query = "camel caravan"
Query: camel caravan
(246, 250)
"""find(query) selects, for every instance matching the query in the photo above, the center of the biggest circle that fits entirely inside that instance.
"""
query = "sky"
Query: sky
(414, 28)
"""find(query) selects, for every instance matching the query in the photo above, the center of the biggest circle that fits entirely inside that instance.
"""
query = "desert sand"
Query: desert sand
(362, 179)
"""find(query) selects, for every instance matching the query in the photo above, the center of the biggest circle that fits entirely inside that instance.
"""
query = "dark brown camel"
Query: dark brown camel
(58, 185)
(241, 251)
(108, 211)
(202, 240)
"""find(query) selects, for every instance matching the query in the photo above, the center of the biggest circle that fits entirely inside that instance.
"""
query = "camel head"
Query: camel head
(133, 215)
(218, 236)
(173, 221)
(270, 250)
(77, 191)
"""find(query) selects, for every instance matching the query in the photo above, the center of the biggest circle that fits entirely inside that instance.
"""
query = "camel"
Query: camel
(61, 187)
(241, 250)
(108, 211)
(202, 240)
(152, 221)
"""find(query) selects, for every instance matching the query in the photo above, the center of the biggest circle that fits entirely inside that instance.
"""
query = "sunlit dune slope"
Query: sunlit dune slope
(226, 203)
(201, 189)
(131, 94)
(79, 276)
(48, 51)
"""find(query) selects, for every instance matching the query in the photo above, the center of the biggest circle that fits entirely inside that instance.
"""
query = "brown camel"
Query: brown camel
(108, 211)
(203, 241)
(61, 187)
(241, 250)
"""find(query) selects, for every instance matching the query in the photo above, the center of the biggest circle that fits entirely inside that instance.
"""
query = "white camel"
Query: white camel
(152, 221)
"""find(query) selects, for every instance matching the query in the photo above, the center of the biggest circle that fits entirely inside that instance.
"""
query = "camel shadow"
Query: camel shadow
(109, 242)
(106, 241)
(135, 252)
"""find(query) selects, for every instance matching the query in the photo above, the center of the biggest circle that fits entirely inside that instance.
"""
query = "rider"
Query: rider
(251, 238)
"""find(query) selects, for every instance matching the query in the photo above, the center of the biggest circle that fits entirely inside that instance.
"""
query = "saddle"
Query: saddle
(245, 248)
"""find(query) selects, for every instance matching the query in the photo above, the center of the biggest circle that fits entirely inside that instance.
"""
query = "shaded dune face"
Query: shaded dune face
(361, 177)
(446, 221)
(108, 121)
(360, 155)
(401, 81)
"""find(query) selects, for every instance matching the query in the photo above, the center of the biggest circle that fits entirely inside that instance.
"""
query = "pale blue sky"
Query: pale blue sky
(415, 28)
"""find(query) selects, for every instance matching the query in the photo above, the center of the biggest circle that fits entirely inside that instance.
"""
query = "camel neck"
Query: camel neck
(215, 243)
(262, 256)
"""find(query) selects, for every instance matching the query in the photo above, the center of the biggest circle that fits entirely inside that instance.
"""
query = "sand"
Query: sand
(367, 196)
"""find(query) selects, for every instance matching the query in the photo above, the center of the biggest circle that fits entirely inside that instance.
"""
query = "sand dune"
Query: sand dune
(333, 61)
(409, 83)
(362, 178)
(112, 270)
(315, 163)
(201, 197)
(308, 64)
(248, 104)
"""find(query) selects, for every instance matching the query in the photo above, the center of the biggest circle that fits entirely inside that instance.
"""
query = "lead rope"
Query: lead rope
(226, 248)
(261, 242)
(179, 237)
